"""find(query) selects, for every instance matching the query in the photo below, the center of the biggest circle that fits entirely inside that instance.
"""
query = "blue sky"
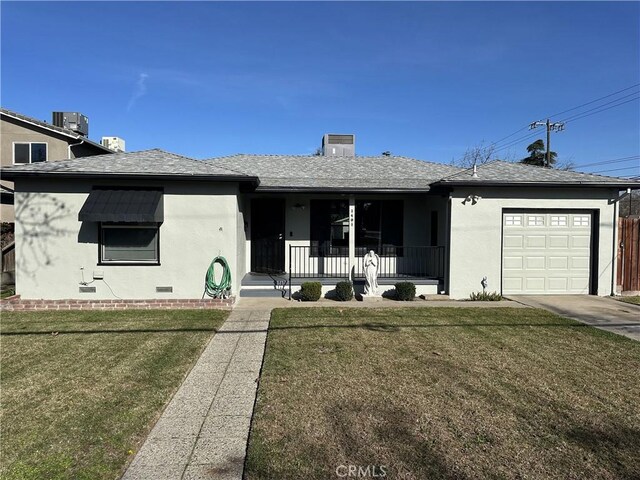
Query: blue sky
(421, 79)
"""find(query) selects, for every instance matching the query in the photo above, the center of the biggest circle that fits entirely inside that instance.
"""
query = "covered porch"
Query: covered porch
(295, 238)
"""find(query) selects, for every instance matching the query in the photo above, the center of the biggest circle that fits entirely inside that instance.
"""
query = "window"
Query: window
(129, 243)
(434, 228)
(27, 152)
(329, 227)
(513, 220)
(558, 220)
(378, 226)
(581, 220)
(535, 220)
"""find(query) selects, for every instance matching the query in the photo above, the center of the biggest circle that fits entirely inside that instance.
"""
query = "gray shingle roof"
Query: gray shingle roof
(501, 172)
(310, 172)
(54, 128)
(143, 163)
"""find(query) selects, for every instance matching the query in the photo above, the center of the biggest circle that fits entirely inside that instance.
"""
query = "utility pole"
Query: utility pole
(556, 127)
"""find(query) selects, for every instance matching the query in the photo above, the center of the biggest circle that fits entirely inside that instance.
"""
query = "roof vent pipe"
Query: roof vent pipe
(475, 171)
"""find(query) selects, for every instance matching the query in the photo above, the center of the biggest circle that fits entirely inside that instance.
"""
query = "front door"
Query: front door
(267, 235)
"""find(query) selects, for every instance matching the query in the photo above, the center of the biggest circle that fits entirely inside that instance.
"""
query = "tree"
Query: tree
(478, 155)
(537, 155)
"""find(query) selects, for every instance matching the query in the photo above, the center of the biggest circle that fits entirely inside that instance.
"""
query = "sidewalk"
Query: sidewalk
(203, 432)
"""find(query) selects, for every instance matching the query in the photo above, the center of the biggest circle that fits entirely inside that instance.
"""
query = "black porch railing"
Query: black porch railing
(395, 262)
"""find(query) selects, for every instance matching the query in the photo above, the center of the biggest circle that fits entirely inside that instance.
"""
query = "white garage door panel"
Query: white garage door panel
(546, 253)
(557, 263)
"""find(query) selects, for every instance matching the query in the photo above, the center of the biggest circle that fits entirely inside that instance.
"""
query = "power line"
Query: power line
(599, 111)
(600, 106)
(615, 169)
(515, 142)
(510, 135)
(596, 100)
(575, 108)
(577, 116)
(614, 160)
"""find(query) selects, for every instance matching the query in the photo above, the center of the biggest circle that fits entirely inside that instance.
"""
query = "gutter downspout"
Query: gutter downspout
(73, 145)
(614, 257)
(447, 270)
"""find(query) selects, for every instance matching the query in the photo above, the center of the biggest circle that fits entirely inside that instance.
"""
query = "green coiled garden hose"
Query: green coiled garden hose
(223, 289)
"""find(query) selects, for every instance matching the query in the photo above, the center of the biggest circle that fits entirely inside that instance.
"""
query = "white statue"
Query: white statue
(371, 263)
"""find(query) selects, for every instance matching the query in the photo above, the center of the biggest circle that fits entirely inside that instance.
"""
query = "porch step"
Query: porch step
(256, 285)
(262, 292)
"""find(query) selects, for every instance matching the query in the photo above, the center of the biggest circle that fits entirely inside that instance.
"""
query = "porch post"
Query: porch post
(352, 236)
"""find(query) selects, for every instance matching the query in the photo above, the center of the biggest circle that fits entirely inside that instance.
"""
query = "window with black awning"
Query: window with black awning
(123, 206)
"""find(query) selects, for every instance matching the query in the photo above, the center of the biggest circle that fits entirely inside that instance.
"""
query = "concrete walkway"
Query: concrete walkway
(203, 432)
(600, 312)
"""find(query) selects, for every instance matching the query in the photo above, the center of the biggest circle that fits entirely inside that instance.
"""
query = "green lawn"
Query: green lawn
(80, 390)
(431, 393)
(632, 299)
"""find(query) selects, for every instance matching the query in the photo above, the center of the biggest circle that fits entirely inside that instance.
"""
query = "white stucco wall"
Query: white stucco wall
(476, 231)
(200, 222)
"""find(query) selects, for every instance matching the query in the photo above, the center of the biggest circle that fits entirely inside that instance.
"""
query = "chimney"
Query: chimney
(338, 145)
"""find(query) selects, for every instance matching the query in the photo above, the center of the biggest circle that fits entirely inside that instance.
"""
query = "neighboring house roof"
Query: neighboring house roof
(149, 164)
(320, 173)
(62, 131)
(501, 173)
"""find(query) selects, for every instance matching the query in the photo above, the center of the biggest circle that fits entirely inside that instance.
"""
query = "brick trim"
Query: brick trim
(15, 303)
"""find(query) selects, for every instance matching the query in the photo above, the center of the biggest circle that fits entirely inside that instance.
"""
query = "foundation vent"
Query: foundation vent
(164, 289)
(87, 289)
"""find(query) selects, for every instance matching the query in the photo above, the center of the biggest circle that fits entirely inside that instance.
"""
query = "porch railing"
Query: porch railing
(395, 262)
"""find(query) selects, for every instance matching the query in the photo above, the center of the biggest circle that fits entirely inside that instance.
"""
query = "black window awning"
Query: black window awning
(126, 206)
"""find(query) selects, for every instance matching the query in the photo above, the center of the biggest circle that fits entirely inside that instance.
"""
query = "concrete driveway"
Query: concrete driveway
(601, 312)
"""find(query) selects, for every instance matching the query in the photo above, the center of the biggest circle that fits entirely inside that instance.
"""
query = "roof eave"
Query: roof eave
(269, 189)
(9, 175)
(480, 183)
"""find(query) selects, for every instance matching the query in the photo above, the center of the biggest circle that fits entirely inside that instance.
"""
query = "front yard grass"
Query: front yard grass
(80, 390)
(459, 393)
(634, 299)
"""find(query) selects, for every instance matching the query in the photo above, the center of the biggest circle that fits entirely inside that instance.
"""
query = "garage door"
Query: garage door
(546, 252)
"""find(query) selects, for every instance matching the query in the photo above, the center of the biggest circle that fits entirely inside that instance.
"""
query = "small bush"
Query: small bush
(310, 291)
(344, 291)
(405, 291)
(485, 297)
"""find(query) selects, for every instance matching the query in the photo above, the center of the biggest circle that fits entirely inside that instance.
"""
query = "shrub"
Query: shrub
(344, 291)
(405, 291)
(485, 297)
(310, 291)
